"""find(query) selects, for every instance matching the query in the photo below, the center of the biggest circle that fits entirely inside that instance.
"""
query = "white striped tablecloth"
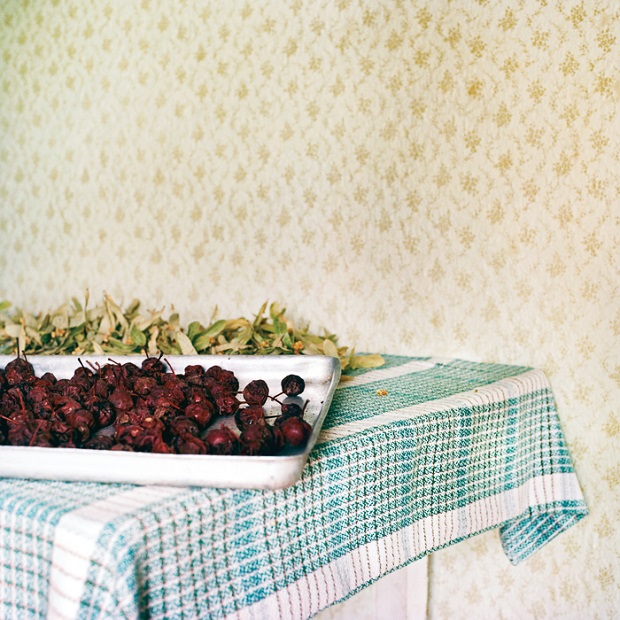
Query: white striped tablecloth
(416, 455)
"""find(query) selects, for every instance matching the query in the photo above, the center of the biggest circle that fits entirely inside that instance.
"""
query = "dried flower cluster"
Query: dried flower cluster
(77, 329)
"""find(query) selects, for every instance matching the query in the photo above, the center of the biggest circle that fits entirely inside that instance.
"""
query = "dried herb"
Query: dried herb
(77, 329)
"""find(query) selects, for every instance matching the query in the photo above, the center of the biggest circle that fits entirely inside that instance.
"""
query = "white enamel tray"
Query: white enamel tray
(320, 373)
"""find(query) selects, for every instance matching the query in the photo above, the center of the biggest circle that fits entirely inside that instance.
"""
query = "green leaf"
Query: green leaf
(279, 327)
(286, 340)
(229, 347)
(117, 346)
(244, 335)
(259, 316)
(275, 311)
(202, 342)
(193, 330)
(138, 337)
(213, 331)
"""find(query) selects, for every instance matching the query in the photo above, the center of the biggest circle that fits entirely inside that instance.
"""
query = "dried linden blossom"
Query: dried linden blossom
(76, 329)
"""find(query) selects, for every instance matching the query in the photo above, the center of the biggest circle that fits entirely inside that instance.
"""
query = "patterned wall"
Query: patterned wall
(421, 177)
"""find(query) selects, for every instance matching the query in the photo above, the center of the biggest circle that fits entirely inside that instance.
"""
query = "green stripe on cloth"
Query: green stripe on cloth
(361, 401)
(29, 512)
(539, 524)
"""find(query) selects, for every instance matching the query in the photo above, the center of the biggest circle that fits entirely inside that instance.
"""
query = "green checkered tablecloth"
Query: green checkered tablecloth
(413, 456)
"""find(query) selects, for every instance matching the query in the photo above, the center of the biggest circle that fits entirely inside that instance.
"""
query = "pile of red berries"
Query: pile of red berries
(147, 408)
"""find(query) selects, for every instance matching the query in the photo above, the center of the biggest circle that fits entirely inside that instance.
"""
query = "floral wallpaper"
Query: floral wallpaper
(420, 177)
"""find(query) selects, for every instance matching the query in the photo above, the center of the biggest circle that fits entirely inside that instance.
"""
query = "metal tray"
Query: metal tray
(320, 373)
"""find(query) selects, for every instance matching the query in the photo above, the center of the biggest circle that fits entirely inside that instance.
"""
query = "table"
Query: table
(413, 456)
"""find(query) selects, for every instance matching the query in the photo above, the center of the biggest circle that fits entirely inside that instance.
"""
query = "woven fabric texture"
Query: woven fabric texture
(412, 457)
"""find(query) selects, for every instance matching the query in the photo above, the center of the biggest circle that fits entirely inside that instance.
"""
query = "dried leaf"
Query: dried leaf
(76, 328)
(367, 361)
(13, 330)
(279, 327)
(187, 348)
(117, 316)
(346, 378)
(194, 329)
(33, 334)
(202, 342)
(329, 348)
(229, 347)
(61, 319)
(259, 316)
(152, 348)
(214, 330)
(244, 335)
(275, 311)
(138, 337)
(133, 307)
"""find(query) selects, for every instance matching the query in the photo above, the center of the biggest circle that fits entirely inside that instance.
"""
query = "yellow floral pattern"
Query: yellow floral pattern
(430, 177)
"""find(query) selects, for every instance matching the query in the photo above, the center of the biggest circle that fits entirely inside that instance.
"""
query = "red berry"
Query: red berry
(256, 392)
(227, 404)
(202, 413)
(249, 416)
(221, 441)
(257, 439)
(293, 385)
(295, 431)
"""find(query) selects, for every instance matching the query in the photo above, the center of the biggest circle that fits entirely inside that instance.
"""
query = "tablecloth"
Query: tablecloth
(416, 455)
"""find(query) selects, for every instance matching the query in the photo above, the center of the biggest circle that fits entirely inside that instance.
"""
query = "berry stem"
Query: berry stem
(34, 435)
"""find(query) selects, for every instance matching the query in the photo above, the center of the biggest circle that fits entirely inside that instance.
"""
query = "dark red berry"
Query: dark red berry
(161, 447)
(214, 372)
(249, 416)
(182, 425)
(190, 444)
(143, 385)
(256, 439)
(194, 370)
(153, 365)
(291, 409)
(295, 431)
(256, 392)
(121, 399)
(202, 413)
(99, 442)
(227, 404)
(293, 385)
(103, 412)
(221, 441)
(18, 371)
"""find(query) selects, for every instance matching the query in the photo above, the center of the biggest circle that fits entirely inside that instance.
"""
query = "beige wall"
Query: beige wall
(423, 177)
